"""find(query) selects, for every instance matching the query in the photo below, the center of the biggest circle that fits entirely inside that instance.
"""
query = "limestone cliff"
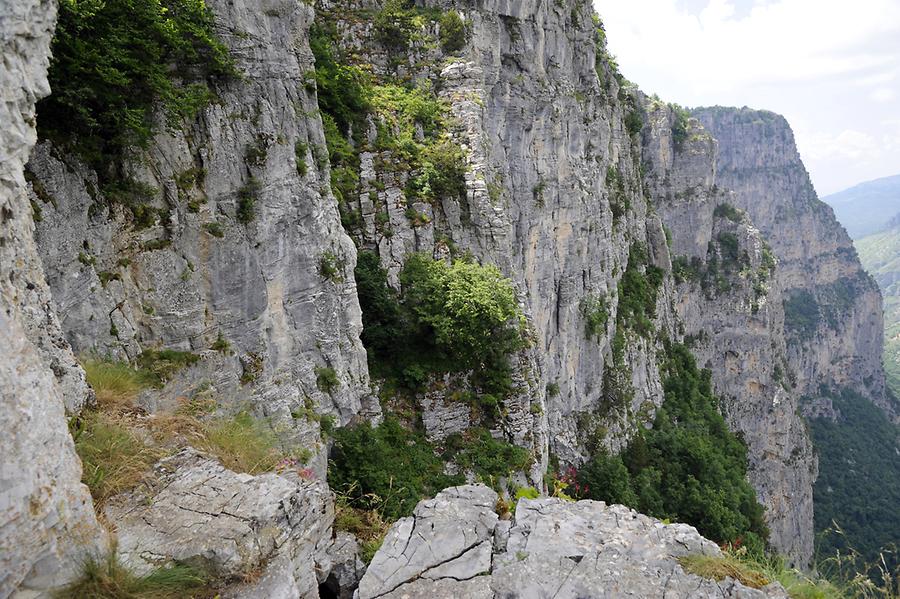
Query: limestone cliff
(833, 309)
(230, 245)
(47, 521)
(196, 272)
(730, 305)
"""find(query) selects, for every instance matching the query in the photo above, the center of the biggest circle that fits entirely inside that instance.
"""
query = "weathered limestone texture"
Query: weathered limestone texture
(730, 304)
(47, 522)
(454, 546)
(230, 525)
(818, 266)
(201, 271)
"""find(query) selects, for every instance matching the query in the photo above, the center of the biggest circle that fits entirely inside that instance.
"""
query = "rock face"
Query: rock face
(833, 309)
(200, 271)
(729, 300)
(553, 198)
(232, 526)
(454, 546)
(47, 522)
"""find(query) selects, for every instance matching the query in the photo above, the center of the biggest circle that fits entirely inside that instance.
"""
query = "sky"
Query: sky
(831, 67)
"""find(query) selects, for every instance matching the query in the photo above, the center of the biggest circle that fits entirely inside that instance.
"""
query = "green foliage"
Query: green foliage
(680, 125)
(214, 229)
(387, 466)
(857, 459)
(442, 172)
(447, 319)
(618, 196)
(471, 309)
(342, 90)
(596, 315)
(728, 211)
(331, 267)
(247, 201)
(114, 459)
(634, 122)
(489, 458)
(688, 467)
(300, 151)
(393, 24)
(164, 363)
(114, 61)
(684, 269)
(452, 32)
(327, 379)
(802, 314)
(638, 289)
(106, 578)
(242, 443)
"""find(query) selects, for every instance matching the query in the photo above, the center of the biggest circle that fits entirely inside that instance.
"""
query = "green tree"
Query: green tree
(115, 61)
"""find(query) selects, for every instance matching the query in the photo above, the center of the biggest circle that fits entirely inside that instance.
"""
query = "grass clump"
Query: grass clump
(242, 443)
(114, 458)
(116, 384)
(106, 578)
(724, 566)
(369, 526)
(162, 364)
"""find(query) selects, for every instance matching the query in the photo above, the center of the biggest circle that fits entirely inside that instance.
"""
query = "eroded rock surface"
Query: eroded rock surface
(455, 546)
(233, 526)
(47, 522)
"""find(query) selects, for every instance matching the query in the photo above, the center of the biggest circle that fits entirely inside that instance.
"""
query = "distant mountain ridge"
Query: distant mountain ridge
(867, 208)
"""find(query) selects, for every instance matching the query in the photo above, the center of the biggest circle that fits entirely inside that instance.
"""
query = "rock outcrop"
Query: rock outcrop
(47, 521)
(199, 272)
(270, 527)
(833, 308)
(729, 301)
(455, 546)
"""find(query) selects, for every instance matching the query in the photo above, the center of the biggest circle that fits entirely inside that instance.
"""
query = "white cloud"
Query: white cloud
(883, 94)
(830, 66)
(785, 40)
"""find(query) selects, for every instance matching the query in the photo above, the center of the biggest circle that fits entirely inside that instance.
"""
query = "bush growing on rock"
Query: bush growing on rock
(113, 61)
(448, 318)
(689, 467)
(387, 467)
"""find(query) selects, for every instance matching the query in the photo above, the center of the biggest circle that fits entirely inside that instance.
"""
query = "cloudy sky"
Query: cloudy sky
(832, 67)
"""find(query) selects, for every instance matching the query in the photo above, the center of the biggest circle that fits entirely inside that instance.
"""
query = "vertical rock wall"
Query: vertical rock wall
(277, 287)
(47, 521)
(820, 274)
(730, 304)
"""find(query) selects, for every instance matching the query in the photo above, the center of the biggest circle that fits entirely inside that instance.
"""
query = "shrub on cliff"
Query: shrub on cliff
(689, 467)
(387, 467)
(115, 61)
(448, 318)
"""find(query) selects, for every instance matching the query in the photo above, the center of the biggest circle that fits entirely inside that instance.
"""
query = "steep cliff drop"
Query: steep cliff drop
(359, 139)
(47, 521)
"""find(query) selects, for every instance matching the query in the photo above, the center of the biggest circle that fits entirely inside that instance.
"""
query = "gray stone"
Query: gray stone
(738, 333)
(47, 521)
(448, 537)
(556, 548)
(233, 526)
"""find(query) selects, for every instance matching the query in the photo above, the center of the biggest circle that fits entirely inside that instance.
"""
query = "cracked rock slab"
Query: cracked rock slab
(555, 549)
(231, 525)
(447, 540)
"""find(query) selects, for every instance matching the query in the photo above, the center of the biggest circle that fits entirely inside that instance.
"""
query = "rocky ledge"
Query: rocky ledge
(455, 545)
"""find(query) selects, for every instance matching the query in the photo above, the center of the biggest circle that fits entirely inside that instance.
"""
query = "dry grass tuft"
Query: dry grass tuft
(724, 566)
(114, 457)
(107, 579)
(116, 384)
